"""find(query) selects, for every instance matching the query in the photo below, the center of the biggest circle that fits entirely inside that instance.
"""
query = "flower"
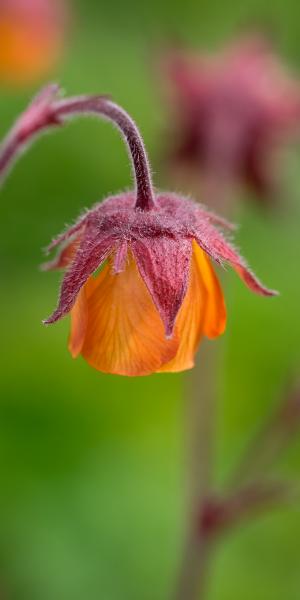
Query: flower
(157, 294)
(231, 112)
(31, 33)
(138, 282)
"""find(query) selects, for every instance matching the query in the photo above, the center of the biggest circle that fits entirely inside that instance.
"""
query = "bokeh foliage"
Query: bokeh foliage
(92, 466)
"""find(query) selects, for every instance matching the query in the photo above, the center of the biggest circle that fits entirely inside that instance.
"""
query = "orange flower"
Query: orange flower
(117, 309)
(156, 294)
(30, 39)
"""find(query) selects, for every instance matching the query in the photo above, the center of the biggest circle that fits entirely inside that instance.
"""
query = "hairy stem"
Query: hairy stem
(108, 109)
(46, 112)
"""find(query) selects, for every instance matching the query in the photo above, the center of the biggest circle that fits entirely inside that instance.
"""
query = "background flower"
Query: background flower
(232, 111)
(31, 39)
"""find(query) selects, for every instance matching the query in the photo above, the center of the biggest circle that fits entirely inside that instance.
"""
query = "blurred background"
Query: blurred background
(92, 466)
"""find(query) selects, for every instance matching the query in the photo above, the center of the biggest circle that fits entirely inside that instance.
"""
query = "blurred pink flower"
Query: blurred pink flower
(231, 112)
(31, 38)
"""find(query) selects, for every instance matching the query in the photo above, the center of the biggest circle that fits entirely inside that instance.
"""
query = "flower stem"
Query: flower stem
(194, 568)
(47, 111)
(192, 583)
(212, 513)
(271, 439)
(100, 105)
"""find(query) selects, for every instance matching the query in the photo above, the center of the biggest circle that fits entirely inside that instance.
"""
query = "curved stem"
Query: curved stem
(108, 109)
(46, 112)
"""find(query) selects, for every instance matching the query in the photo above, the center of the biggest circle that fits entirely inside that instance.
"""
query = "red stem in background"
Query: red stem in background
(200, 435)
(249, 491)
(221, 512)
(46, 111)
(271, 439)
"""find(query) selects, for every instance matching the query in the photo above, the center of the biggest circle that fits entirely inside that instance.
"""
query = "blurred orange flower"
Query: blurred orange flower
(31, 37)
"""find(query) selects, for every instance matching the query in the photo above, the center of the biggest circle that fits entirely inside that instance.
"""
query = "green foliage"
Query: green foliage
(92, 466)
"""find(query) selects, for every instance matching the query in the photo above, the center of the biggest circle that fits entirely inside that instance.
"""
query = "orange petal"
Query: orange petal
(78, 323)
(202, 312)
(215, 313)
(124, 333)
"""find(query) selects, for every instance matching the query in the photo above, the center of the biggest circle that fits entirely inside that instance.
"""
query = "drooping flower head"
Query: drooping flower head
(31, 35)
(139, 281)
(232, 111)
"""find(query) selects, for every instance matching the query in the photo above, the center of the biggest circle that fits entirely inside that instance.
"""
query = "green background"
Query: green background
(92, 498)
